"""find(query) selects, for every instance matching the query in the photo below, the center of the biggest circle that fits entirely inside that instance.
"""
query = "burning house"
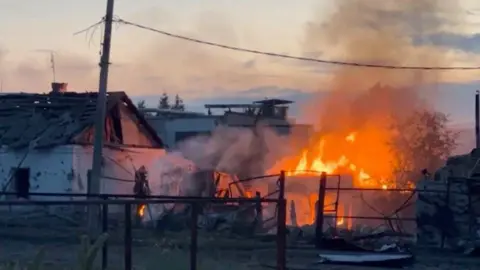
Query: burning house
(47, 142)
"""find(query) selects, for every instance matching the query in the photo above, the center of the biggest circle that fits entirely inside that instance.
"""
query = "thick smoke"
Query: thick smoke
(381, 32)
(371, 101)
(239, 151)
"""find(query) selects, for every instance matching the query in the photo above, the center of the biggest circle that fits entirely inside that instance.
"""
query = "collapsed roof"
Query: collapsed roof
(47, 120)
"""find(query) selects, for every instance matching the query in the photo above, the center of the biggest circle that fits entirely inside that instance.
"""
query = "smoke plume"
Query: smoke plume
(239, 151)
(380, 32)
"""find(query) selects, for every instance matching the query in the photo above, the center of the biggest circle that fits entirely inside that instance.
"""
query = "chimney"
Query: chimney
(58, 87)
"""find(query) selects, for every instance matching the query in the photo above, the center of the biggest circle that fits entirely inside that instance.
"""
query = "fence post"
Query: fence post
(281, 224)
(194, 236)
(447, 206)
(259, 212)
(105, 230)
(320, 206)
(128, 237)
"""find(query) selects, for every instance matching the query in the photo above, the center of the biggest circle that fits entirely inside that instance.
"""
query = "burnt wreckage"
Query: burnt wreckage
(237, 182)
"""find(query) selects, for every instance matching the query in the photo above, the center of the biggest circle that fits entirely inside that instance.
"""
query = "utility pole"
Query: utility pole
(94, 186)
(477, 119)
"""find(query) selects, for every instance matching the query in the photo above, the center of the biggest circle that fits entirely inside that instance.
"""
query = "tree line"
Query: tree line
(164, 103)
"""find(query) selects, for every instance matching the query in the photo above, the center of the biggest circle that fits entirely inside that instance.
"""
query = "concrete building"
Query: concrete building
(176, 126)
(47, 142)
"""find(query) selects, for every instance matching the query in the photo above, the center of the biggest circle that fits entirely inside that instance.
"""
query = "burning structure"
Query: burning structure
(376, 128)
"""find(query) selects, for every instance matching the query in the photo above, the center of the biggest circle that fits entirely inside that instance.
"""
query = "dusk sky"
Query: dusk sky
(146, 63)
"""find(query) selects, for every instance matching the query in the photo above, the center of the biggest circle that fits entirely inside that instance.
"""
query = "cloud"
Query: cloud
(466, 43)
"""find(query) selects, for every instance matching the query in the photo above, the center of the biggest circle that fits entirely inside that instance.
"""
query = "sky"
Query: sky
(146, 64)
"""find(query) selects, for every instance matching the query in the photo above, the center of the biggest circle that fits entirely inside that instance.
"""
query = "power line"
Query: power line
(90, 27)
(307, 59)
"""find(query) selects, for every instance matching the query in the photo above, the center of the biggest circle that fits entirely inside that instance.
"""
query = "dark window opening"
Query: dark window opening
(21, 179)
(181, 136)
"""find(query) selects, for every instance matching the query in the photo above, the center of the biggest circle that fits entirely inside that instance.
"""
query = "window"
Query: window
(21, 178)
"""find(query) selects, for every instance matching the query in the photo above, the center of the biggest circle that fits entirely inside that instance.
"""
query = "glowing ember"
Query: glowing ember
(141, 210)
(340, 221)
(350, 137)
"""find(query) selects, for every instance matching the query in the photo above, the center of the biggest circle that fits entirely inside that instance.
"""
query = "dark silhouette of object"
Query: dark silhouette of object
(164, 102)
(141, 104)
(426, 173)
(22, 182)
(141, 189)
(178, 105)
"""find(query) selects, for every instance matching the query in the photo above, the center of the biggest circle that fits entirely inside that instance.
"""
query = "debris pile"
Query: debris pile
(448, 205)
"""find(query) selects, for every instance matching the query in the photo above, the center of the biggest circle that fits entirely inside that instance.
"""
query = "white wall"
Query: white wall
(64, 169)
(50, 170)
(118, 168)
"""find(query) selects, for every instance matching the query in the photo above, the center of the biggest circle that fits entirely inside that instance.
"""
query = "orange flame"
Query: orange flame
(340, 164)
(141, 210)
(340, 221)
(340, 155)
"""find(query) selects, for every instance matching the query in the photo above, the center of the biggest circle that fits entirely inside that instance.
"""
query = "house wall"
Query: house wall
(118, 169)
(173, 130)
(50, 170)
(131, 130)
(64, 169)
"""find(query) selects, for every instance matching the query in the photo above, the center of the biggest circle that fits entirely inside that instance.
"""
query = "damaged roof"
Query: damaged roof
(47, 120)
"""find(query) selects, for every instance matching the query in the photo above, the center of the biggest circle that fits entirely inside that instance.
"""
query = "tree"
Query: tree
(164, 102)
(179, 106)
(141, 104)
(421, 141)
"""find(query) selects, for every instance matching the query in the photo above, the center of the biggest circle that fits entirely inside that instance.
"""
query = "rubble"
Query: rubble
(448, 205)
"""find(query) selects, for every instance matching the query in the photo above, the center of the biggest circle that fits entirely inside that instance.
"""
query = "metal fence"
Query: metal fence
(105, 201)
(279, 198)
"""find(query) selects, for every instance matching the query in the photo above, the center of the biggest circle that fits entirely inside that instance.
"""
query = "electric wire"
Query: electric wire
(285, 56)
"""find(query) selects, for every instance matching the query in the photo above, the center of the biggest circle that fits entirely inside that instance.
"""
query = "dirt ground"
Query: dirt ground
(152, 251)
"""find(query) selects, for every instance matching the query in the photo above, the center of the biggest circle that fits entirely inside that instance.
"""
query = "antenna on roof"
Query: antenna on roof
(52, 62)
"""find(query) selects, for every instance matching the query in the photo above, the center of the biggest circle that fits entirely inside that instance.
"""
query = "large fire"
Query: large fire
(362, 154)
(342, 160)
